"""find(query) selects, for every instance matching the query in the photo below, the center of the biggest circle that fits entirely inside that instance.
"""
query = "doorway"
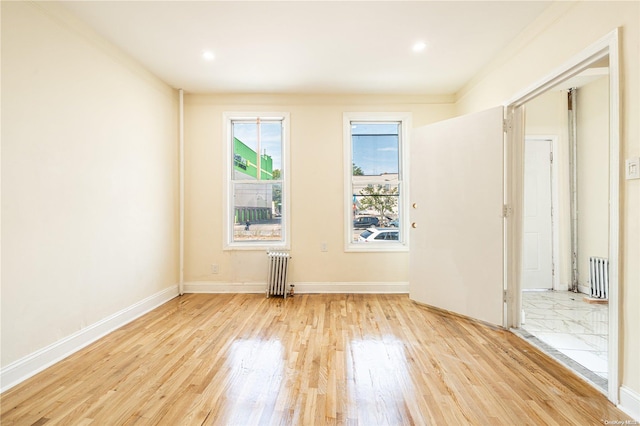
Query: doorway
(571, 270)
(570, 325)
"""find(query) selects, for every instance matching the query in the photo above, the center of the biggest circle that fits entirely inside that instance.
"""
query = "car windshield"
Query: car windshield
(366, 234)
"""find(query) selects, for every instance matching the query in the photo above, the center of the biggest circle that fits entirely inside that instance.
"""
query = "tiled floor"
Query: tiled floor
(566, 326)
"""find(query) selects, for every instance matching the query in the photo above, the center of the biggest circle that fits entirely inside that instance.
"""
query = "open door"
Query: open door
(457, 199)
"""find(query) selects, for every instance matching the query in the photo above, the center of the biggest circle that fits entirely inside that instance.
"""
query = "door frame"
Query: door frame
(555, 207)
(514, 167)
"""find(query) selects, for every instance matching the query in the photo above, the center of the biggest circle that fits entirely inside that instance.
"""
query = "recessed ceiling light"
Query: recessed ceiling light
(208, 55)
(419, 46)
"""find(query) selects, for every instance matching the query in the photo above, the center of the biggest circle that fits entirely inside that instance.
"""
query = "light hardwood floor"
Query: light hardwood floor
(234, 359)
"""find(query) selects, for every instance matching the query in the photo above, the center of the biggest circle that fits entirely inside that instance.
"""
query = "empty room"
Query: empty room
(320, 212)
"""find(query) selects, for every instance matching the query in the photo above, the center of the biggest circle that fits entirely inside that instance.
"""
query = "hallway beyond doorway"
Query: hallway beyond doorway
(571, 330)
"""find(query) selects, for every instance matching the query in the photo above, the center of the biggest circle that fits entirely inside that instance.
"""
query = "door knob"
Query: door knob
(414, 205)
(414, 225)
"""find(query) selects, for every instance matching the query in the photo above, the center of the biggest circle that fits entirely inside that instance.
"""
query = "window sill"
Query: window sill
(257, 246)
(376, 248)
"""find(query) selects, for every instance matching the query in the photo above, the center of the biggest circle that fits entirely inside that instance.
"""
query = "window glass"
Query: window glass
(256, 188)
(375, 149)
(375, 178)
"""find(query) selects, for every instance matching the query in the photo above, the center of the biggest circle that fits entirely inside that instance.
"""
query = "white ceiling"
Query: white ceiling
(311, 46)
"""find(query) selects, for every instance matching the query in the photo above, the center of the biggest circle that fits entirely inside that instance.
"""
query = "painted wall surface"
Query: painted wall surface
(317, 191)
(593, 175)
(570, 27)
(546, 115)
(89, 180)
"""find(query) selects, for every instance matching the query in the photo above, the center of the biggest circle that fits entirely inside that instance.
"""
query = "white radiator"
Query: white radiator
(278, 269)
(599, 277)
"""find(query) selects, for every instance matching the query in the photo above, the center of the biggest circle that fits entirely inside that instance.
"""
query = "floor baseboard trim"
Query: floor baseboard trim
(28, 366)
(630, 402)
(305, 287)
(353, 287)
(217, 287)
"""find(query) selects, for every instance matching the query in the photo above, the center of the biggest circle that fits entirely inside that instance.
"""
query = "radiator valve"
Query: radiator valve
(291, 286)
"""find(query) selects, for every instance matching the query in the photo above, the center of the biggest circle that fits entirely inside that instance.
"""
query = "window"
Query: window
(375, 190)
(256, 170)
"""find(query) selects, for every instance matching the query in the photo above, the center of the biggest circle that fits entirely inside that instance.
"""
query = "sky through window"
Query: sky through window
(375, 147)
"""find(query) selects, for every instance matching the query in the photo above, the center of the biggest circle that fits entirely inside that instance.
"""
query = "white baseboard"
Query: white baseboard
(630, 402)
(353, 287)
(218, 287)
(309, 287)
(22, 369)
(562, 287)
(584, 289)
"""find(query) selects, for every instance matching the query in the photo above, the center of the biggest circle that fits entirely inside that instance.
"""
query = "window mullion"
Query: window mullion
(259, 155)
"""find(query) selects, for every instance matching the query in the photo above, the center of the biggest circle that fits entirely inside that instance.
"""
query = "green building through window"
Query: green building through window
(245, 160)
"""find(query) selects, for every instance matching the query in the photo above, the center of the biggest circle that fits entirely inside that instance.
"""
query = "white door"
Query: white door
(456, 190)
(537, 257)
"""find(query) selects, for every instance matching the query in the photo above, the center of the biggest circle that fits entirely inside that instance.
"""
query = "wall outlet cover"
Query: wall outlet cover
(632, 168)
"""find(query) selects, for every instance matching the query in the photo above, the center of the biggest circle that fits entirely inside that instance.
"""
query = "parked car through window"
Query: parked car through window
(365, 222)
(379, 234)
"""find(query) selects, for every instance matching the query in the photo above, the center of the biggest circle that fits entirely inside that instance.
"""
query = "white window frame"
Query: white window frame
(227, 168)
(403, 174)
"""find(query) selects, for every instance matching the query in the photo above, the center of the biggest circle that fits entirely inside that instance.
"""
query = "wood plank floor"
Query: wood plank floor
(237, 359)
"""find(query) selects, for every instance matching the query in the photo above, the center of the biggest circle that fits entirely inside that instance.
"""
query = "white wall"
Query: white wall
(89, 180)
(317, 198)
(593, 175)
(563, 31)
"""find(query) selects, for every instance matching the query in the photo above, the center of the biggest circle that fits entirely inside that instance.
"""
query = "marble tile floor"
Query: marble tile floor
(571, 330)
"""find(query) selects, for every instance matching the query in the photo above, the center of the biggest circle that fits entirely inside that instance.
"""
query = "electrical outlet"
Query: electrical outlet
(214, 268)
(632, 168)
(323, 247)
